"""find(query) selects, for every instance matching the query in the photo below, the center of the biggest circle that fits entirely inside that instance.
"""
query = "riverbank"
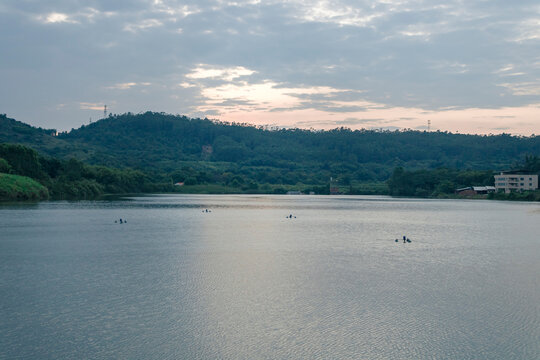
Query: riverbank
(516, 196)
(21, 188)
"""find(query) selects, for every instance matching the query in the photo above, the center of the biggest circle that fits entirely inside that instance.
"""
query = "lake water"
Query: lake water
(245, 282)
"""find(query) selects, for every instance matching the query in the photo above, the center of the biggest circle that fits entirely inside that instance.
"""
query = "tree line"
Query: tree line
(444, 181)
(73, 179)
(165, 149)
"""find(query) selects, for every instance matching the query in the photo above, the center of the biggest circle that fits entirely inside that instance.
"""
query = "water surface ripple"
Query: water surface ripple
(245, 282)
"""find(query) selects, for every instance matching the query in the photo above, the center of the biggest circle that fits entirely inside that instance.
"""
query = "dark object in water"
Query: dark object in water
(405, 240)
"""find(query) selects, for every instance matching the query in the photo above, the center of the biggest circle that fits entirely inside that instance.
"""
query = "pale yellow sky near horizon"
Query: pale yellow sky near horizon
(526, 120)
(267, 103)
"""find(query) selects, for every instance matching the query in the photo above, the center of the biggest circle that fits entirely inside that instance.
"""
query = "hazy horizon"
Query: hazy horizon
(466, 67)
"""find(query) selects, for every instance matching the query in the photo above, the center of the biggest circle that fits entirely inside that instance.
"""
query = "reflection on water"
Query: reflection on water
(243, 281)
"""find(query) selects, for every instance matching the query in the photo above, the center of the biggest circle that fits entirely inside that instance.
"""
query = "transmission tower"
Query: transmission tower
(428, 125)
(105, 111)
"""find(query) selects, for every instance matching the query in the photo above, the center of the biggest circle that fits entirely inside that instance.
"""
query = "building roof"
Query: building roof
(515, 172)
(477, 188)
(483, 188)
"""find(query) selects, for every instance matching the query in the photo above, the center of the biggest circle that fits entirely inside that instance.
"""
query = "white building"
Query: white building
(515, 182)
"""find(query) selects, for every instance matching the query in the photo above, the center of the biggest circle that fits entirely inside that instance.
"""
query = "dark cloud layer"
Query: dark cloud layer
(431, 55)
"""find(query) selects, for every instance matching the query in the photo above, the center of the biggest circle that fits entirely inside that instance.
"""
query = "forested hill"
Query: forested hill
(157, 141)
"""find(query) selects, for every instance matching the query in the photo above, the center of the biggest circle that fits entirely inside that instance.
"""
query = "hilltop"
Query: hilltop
(201, 150)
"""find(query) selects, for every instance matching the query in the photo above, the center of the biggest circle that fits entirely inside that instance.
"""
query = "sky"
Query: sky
(465, 66)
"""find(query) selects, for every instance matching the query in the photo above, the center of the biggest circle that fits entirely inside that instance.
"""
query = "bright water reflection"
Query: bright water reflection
(245, 282)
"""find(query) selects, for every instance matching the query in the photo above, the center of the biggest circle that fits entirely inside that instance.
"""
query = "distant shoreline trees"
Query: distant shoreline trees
(138, 152)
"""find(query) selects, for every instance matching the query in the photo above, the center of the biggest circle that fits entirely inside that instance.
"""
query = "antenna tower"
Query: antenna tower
(105, 111)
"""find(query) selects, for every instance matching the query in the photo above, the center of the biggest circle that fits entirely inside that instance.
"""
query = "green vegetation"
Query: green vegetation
(443, 182)
(152, 151)
(516, 196)
(201, 151)
(531, 164)
(437, 182)
(15, 187)
(70, 179)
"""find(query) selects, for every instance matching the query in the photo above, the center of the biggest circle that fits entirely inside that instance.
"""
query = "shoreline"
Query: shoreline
(519, 197)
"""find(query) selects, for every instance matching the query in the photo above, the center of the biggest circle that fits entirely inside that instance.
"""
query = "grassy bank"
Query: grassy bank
(253, 188)
(15, 187)
(516, 196)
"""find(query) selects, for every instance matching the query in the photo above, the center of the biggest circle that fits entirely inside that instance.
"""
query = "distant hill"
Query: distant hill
(42, 140)
(18, 132)
(27, 175)
(200, 148)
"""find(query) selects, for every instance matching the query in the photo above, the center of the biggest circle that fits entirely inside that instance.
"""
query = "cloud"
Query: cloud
(88, 15)
(90, 106)
(504, 69)
(174, 9)
(187, 85)
(56, 17)
(530, 88)
(452, 67)
(528, 30)
(336, 13)
(204, 71)
(356, 121)
(127, 85)
(327, 61)
(142, 25)
(275, 97)
(263, 94)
